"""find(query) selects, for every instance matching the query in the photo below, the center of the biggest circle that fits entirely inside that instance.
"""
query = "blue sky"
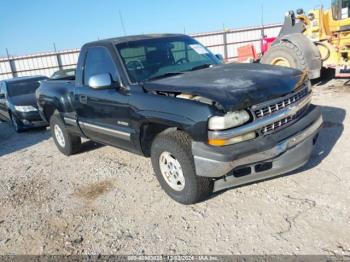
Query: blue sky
(33, 26)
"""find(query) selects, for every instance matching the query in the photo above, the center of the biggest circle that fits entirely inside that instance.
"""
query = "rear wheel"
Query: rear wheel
(285, 54)
(67, 143)
(173, 164)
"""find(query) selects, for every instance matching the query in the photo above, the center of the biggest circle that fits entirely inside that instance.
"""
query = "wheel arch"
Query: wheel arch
(152, 123)
(48, 109)
(149, 131)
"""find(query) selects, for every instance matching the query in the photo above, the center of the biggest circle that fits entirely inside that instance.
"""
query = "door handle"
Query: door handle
(83, 99)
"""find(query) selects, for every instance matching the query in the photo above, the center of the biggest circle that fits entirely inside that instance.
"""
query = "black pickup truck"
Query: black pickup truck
(207, 126)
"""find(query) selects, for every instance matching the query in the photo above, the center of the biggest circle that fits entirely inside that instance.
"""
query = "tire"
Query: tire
(176, 145)
(16, 123)
(67, 143)
(288, 52)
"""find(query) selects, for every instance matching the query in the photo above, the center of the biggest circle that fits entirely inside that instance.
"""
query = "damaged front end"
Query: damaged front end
(236, 126)
(258, 128)
(264, 119)
(188, 96)
(264, 147)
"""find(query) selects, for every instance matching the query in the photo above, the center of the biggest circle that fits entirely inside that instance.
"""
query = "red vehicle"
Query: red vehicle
(248, 53)
(266, 43)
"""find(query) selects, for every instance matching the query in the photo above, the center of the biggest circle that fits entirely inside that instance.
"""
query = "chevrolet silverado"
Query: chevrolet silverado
(206, 125)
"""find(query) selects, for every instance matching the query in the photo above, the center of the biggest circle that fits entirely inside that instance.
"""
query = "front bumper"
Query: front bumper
(273, 155)
(30, 119)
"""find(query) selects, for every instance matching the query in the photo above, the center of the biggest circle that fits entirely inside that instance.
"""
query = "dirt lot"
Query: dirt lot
(106, 201)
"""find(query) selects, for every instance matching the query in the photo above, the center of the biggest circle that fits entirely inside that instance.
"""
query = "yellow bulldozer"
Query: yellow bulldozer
(310, 41)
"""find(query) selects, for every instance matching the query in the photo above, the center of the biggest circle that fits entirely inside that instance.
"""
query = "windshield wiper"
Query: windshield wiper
(179, 73)
(164, 76)
(200, 67)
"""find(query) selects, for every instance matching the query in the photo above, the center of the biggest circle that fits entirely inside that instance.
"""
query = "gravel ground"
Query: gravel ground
(107, 201)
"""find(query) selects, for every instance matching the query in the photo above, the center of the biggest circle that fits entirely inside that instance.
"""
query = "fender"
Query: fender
(154, 122)
(308, 48)
(197, 130)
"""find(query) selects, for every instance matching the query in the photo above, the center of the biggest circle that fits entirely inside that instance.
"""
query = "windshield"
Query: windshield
(22, 88)
(154, 58)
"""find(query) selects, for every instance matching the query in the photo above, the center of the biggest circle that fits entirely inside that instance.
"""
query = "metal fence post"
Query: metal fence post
(58, 57)
(12, 64)
(13, 67)
(262, 38)
(225, 45)
(59, 61)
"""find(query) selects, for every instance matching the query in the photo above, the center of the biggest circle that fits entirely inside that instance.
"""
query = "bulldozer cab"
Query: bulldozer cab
(340, 9)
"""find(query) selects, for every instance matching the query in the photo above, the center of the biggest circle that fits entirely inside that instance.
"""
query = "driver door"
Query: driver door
(103, 114)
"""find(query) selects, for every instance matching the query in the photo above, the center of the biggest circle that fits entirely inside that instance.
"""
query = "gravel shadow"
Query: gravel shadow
(327, 75)
(329, 135)
(10, 141)
(89, 146)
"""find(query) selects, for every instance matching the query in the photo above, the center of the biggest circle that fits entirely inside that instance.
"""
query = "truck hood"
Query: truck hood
(23, 100)
(234, 86)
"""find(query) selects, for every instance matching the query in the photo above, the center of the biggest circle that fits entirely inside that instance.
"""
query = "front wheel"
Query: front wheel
(67, 143)
(173, 164)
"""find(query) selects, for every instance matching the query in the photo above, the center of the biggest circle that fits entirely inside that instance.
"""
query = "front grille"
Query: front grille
(280, 104)
(283, 122)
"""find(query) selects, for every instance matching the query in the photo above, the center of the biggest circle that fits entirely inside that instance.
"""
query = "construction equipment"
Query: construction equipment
(311, 41)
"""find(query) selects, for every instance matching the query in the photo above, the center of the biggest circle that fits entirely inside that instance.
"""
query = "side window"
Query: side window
(340, 9)
(335, 10)
(99, 61)
(345, 9)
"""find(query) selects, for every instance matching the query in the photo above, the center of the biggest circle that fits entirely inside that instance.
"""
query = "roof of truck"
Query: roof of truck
(124, 39)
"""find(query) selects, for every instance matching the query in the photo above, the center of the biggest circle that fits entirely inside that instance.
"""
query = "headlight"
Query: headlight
(232, 119)
(233, 140)
(25, 109)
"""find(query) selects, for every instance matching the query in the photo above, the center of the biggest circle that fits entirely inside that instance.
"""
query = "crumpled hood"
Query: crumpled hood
(234, 86)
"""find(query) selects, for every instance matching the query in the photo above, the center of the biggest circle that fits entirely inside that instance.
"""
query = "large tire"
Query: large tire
(285, 52)
(67, 143)
(16, 123)
(176, 145)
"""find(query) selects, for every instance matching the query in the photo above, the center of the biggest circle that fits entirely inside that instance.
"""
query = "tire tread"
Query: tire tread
(180, 143)
(73, 142)
(291, 50)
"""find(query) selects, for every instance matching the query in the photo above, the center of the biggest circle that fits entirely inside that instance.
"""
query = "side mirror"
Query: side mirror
(2, 96)
(220, 57)
(100, 81)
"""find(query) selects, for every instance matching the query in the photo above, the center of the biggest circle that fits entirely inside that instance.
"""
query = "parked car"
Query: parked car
(65, 74)
(18, 102)
(207, 126)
